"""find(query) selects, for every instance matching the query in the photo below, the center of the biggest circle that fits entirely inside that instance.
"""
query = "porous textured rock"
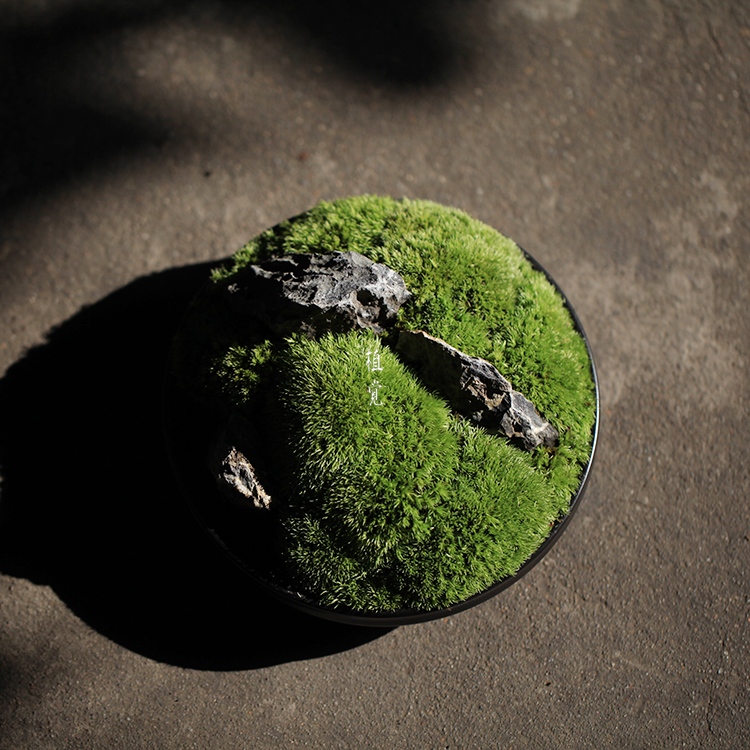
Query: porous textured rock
(233, 460)
(521, 421)
(475, 389)
(315, 293)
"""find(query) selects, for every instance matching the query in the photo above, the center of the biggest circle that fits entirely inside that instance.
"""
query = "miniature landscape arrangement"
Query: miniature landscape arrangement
(396, 406)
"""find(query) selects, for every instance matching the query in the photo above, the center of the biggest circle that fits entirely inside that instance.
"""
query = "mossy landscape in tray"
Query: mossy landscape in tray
(388, 499)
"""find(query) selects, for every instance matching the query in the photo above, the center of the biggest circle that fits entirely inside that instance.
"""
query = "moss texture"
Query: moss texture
(389, 500)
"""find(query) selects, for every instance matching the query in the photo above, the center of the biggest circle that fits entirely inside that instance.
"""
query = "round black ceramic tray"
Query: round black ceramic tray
(245, 535)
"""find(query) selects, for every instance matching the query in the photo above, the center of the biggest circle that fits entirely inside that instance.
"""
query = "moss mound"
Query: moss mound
(388, 500)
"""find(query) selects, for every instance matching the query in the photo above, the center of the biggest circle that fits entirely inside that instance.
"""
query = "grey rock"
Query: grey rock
(475, 389)
(470, 384)
(315, 293)
(230, 462)
(522, 421)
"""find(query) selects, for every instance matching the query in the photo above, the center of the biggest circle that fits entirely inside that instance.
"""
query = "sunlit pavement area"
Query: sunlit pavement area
(144, 139)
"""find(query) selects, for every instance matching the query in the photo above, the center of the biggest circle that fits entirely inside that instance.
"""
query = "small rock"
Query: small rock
(521, 421)
(235, 475)
(470, 384)
(475, 389)
(316, 293)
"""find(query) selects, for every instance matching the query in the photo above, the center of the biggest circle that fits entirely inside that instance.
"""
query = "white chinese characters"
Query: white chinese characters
(374, 389)
(373, 365)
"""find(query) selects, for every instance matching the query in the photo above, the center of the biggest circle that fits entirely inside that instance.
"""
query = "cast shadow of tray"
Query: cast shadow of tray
(89, 505)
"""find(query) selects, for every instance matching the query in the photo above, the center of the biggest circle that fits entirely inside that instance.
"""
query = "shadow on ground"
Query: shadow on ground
(64, 93)
(90, 506)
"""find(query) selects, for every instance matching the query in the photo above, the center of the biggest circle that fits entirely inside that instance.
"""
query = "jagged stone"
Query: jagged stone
(235, 473)
(522, 422)
(316, 293)
(475, 389)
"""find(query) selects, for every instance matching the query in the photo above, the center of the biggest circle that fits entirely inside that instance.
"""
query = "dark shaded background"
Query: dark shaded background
(91, 508)
(61, 114)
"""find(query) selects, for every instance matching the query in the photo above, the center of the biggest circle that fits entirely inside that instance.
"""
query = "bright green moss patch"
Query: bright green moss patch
(388, 500)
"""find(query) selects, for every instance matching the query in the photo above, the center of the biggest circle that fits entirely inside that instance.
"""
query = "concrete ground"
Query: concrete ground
(143, 139)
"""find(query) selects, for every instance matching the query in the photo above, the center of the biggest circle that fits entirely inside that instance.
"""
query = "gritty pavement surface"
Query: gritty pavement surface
(143, 139)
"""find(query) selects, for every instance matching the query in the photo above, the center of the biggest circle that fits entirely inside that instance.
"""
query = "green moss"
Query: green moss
(390, 500)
